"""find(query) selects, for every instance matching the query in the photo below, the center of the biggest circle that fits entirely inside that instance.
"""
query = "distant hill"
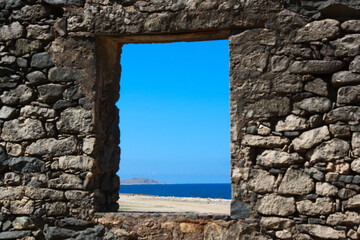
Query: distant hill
(138, 181)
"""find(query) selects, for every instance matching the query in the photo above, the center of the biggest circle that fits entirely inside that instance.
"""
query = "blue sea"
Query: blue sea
(203, 190)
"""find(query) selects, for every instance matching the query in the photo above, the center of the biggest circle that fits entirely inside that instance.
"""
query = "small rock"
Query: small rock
(26, 164)
(21, 223)
(317, 86)
(355, 65)
(347, 45)
(76, 195)
(75, 120)
(279, 63)
(66, 181)
(311, 138)
(276, 223)
(15, 234)
(16, 130)
(26, 46)
(348, 95)
(296, 182)
(326, 189)
(53, 147)
(283, 234)
(76, 162)
(316, 66)
(343, 114)
(41, 32)
(355, 165)
(315, 121)
(345, 193)
(274, 204)
(41, 60)
(49, 93)
(89, 145)
(291, 123)
(320, 231)
(23, 207)
(7, 112)
(31, 13)
(14, 149)
(341, 131)
(355, 143)
(322, 206)
(73, 93)
(351, 26)
(44, 193)
(37, 112)
(347, 218)
(20, 95)
(65, 75)
(36, 77)
(261, 181)
(353, 202)
(56, 209)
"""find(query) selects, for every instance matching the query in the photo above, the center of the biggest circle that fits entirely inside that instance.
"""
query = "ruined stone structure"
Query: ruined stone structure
(295, 130)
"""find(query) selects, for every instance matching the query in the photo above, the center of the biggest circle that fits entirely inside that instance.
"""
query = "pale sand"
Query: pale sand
(145, 203)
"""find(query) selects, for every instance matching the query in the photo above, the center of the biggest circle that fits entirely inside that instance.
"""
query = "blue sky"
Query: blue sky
(174, 112)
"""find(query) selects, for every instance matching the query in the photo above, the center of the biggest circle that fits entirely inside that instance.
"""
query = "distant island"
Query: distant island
(139, 181)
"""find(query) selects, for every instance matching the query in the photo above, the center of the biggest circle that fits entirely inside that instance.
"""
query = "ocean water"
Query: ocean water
(203, 190)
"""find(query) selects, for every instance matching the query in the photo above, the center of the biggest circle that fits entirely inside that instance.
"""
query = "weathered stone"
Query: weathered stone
(49, 93)
(74, 222)
(10, 4)
(276, 223)
(21, 223)
(348, 94)
(11, 193)
(58, 233)
(351, 26)
(8, 60)
(291, 123)
(326, 189)
(14, 234)
(264, 141)
(354, 66)
(14, 149)
(89, 145)
(345, 193)
(11, 178)
(16, 130)
(75, 120)
(315, 104)
(44, 193)
(347, 45)
(62, 104)
(20, 95)
(311, 138)
(76, 162)
(53, 147)
(55, 209)
(38, 112)
(261, 181)
(66, 181)
(315, 173)
(41, 60)
(76, 195)
(25, 46)
(353, 202)
(322, 206)
(42, 32)
(30, 12)
(73, 93)
(318, 30)
(340, 131)
(317, 86)
(316, 66)
(26, 164)
(347, 218)
(283, 234)
(273, 107)
(355, 165)
(296, 182)
(347, 113)
(36, 77)
(355, 143)
(320, 231)
(331, 150)
(7, 112)
(65, 2)
(22, 62)
(23, 207)
(277, 159)
(279, 63)
(274, 204)
(13, 31)
(65, 75)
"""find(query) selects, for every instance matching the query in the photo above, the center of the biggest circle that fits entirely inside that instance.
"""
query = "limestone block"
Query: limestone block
(274, 204)
(20, 95)
(14, 149)
(334, 149)
(316, 66)
(37, 112)
(261, 181)
(326, 189)
(22, 207)
(344, 114)
(89, 145)
(55, 209)
(341, 131)
(16, 130)
(351, 26)
(355, 165)
(21, 223)
(355, 143)
(49, 93)
(315, 104)
(277, 159)
(291, 123)
(7, 112)
(73, 93)
(347, 218)
(36, 77)
(75, 120)
(44, 194)
(53, 147)
(276, 223)
(320, 231)
(31, 12)
(13, 31)
(353, 202)
(347, 45)
(76, 162)
(322, 206)
(274, 107)
(66, 181)
(296, 182)
(311, 138)
(41, 32)
(11, 193)
(58, 233)
(264, 141)
(354, 66)
(318, 30)
(65, 75)
(348, 95)
(76, 195)
(25, 46)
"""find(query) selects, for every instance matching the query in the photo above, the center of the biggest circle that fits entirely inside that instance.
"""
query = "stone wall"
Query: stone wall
(294, 105)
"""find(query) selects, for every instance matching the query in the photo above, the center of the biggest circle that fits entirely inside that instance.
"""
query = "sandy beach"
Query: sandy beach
(146, 203)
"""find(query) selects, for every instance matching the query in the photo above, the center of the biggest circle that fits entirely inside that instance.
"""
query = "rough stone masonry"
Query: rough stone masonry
(294, 105)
